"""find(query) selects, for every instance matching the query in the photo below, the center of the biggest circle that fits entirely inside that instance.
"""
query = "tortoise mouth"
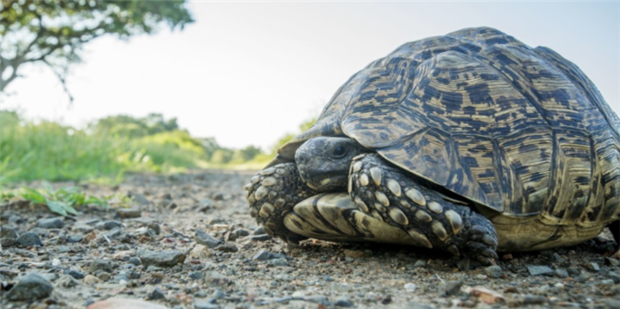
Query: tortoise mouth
(326, 182)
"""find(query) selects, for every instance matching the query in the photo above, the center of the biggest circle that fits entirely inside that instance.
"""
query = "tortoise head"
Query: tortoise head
(323, 162)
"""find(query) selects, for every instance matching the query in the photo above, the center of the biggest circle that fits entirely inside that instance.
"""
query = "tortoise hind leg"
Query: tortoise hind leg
(387, 194)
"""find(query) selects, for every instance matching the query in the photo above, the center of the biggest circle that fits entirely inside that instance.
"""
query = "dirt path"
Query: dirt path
(152, 255)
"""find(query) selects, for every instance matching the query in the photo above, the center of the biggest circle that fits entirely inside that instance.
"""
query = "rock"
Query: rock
(612, 303)
(67, 281)
(50, 223)
(75, 238)
(354, 253)
(75, 274)
(196, 275)
(319, 299)
(494, 272)
(124, 303)
(206, 239)
(278, 262)
(451, 288)
(156, 294)
(100, 265)
(612, 262)
(614, 276)
(200, 252)
(29, 239)
(134, 261)
(267, 255)
(261, 237)
(91, 280)
(208, 303)
(561, 273)
(165, 258)
(128, 213)
(8, 237)
(227, 247)
(241, 233)
(110, 224)
(536, 270)
(419, 263)
(218, 294)
(139, 198)
(343, 302)
(592, 266)
(30, 287)
(410, 287)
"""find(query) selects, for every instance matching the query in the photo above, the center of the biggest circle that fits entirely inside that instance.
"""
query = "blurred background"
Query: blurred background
(90, 90)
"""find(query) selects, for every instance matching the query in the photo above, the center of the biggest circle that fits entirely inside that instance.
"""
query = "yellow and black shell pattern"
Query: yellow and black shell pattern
(517, 131)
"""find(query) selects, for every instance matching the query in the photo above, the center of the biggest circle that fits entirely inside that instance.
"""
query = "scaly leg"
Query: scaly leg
(388, 194)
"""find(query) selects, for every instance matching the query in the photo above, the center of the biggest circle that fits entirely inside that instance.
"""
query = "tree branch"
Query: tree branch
(62, 79)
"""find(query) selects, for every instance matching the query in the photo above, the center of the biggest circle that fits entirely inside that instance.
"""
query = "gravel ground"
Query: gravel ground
(188, 241)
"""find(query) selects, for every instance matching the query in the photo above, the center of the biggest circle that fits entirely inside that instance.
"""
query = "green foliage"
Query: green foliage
(53, 32)
(130, 127)
(63, 201)
(107, 149)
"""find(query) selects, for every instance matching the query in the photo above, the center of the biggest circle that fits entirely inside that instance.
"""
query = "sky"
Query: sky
(247, 73)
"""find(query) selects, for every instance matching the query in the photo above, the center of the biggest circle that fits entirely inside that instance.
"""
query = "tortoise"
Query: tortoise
(471, 142)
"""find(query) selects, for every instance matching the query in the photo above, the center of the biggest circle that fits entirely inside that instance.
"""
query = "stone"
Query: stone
(50, 223)
(343, 302)
(264, 255)
(139, 198)
(67, 281)
(100, 265)
(30, 287)
(91, 280)
(206, 239)
(128, 213)
(536, 270)
(156, 294)
(29, 239)
(165, 258)
(494, 272)
(75, 274)
(450, 288)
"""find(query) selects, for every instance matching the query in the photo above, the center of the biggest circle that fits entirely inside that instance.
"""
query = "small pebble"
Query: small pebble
(206, 239)
(156, 294)
(410, 287)
(494, 271)
(227, 247)
(164, 258)
(128, 213)
(561, 273)
(29, 239)
(264, 255)
(75, 274)
(50, 223)
(343, 302)
(536, 270)
(100, 265)
(30, 287)
(451, 288)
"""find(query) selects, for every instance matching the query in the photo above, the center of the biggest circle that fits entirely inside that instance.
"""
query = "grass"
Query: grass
(53, 152)
(62, 201)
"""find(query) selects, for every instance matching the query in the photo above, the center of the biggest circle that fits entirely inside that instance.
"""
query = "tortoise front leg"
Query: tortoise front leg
(272, 193)
(389, 195)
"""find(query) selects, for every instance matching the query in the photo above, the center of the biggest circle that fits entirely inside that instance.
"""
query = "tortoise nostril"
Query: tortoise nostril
(301, 160)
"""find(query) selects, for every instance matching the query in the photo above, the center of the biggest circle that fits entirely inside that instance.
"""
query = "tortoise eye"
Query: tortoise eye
(339, 151)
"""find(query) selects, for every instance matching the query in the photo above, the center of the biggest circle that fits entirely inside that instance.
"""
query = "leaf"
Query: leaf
(33, 195)
(57, 207)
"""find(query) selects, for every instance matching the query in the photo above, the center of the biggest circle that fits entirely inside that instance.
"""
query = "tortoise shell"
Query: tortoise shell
(516, 131)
